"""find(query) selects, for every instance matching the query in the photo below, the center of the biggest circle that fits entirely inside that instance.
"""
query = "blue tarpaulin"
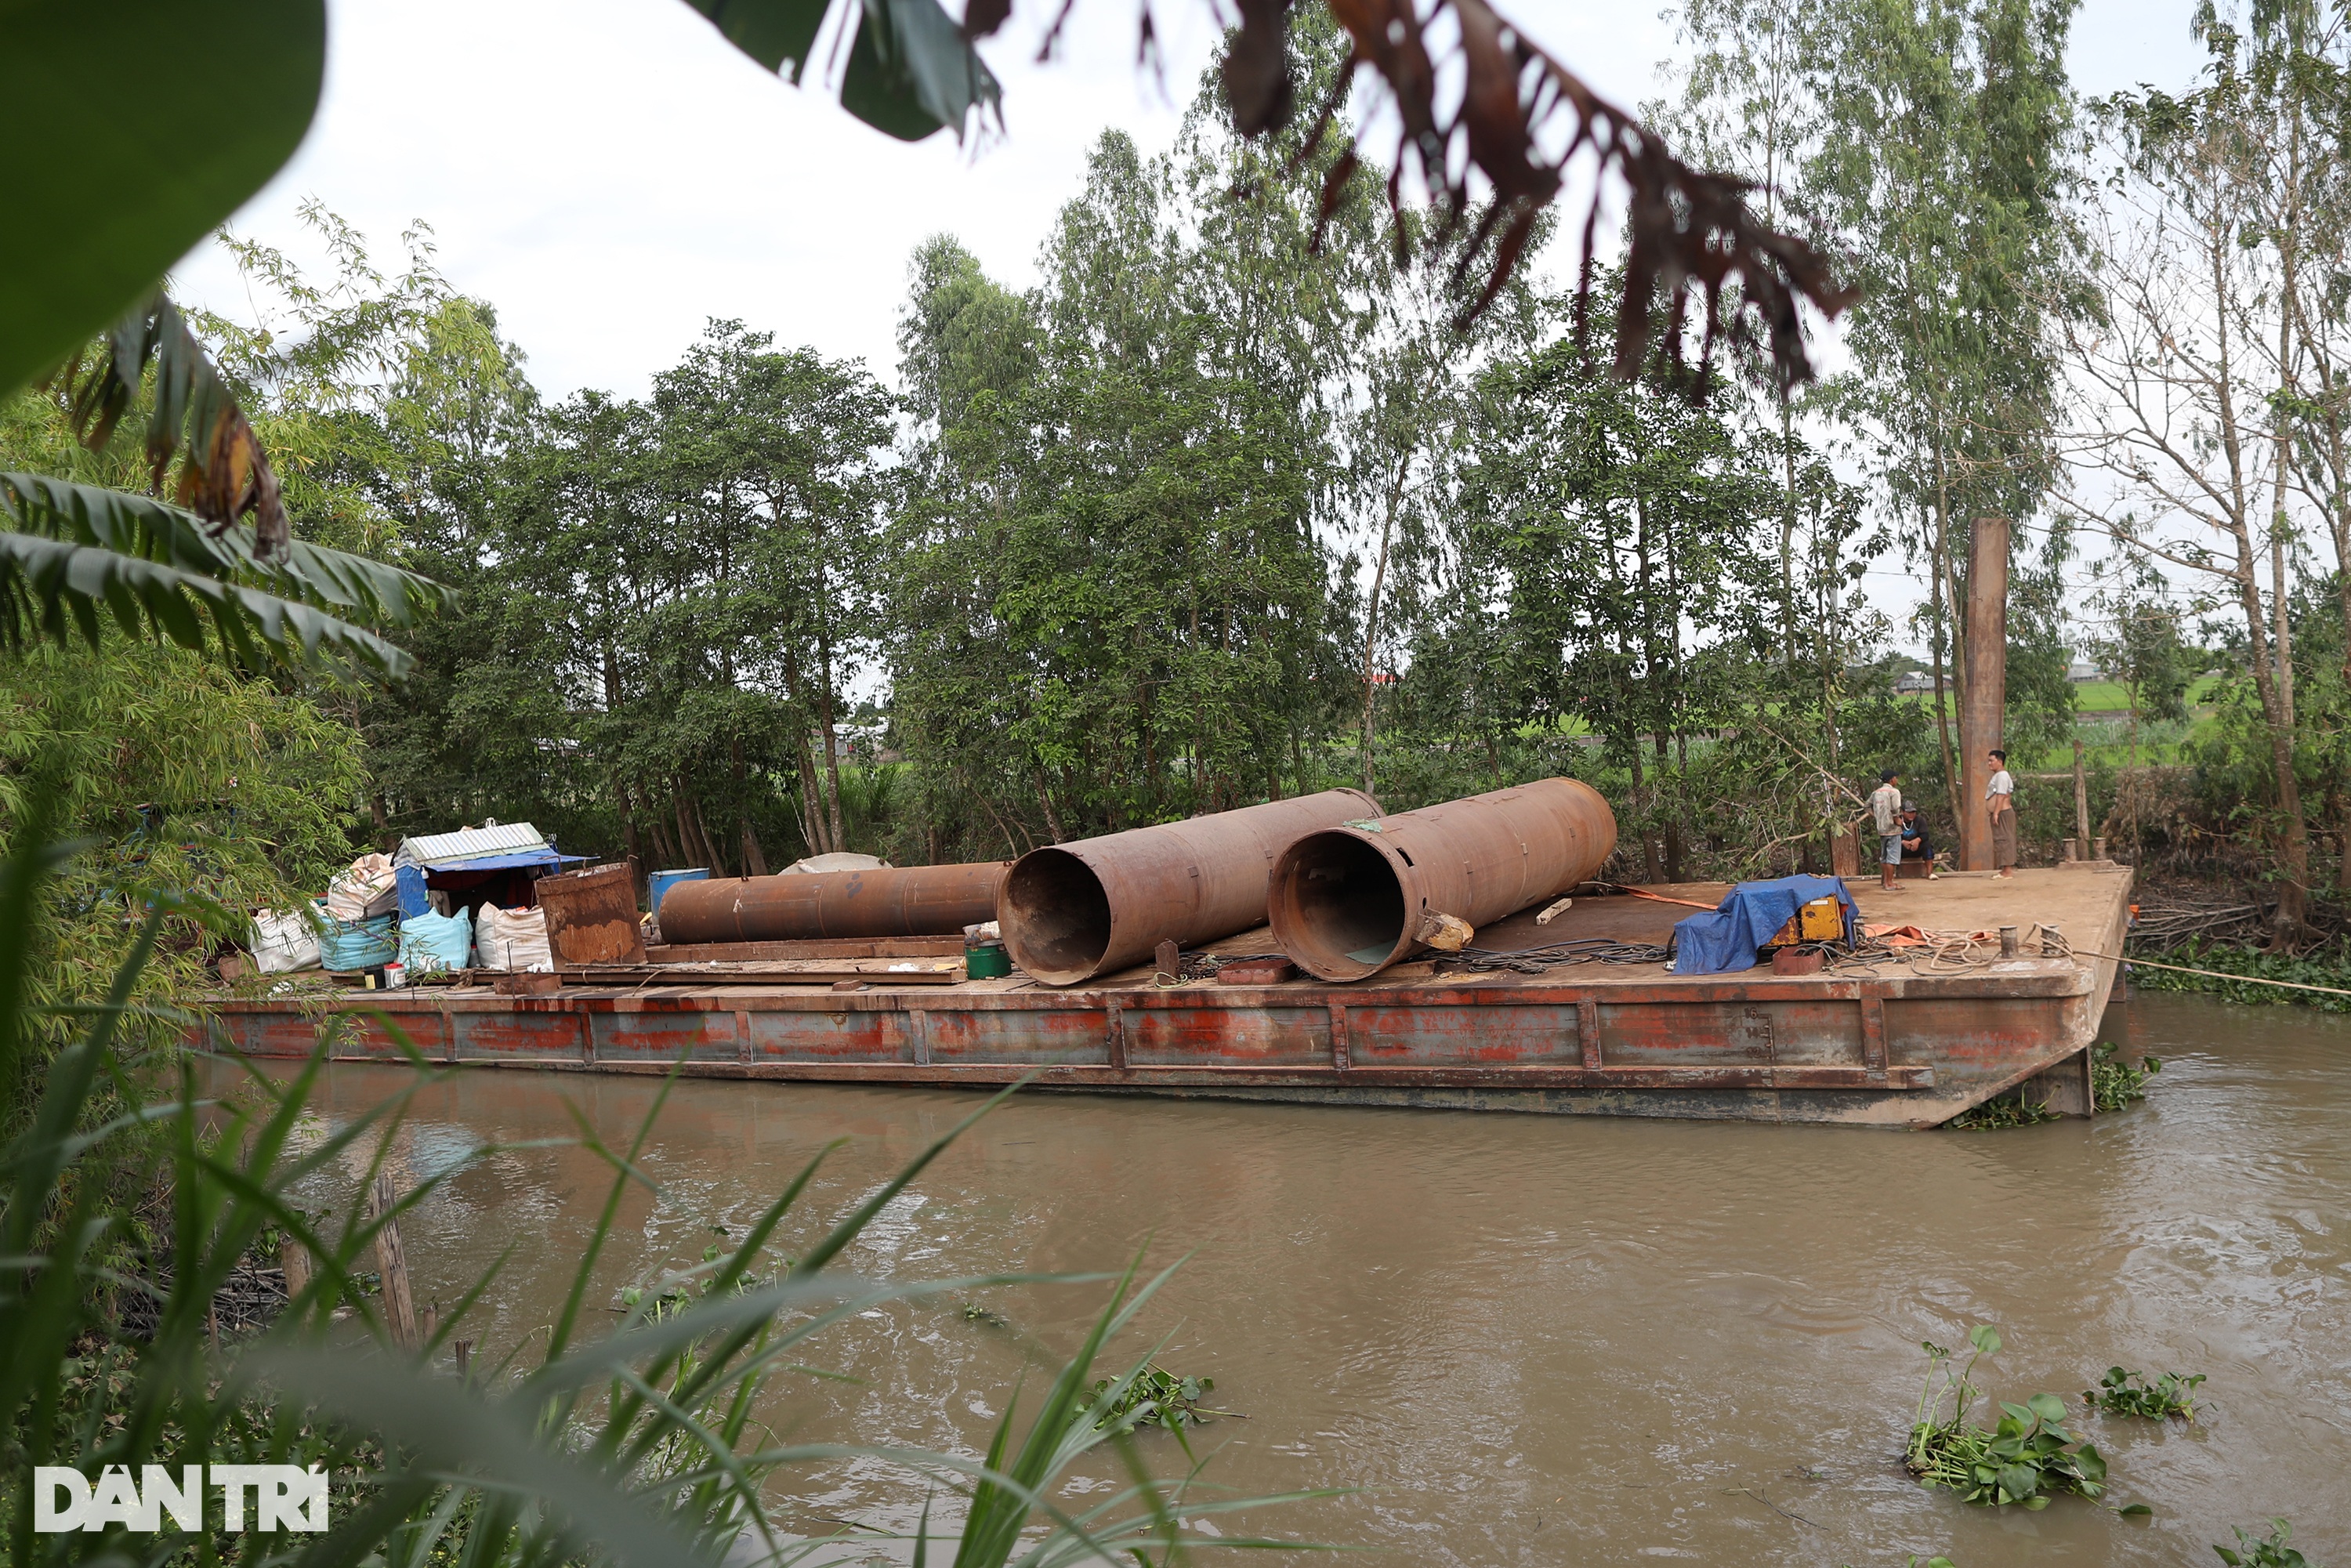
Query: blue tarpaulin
(1728, 936)
(499, 862)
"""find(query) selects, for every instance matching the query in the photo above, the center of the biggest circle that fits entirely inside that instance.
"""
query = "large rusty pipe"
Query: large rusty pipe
(1093, 906)
(911, 901)
(1348, 902)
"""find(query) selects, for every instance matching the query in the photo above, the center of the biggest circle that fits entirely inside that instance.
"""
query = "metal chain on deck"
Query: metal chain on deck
(1198, 965)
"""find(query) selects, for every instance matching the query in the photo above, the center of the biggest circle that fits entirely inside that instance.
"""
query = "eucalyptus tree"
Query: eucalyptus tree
(1610, 557)
(967, 349)
(1113, 601)
(1944, 160)
(2184, 442)
(772, 460)
(1751, 103)
(2303, 58)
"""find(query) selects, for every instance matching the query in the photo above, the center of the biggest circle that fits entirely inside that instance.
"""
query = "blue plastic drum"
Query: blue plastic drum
(660, 882)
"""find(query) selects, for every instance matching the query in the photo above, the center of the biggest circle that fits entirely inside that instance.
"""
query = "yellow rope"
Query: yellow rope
(2216, 974)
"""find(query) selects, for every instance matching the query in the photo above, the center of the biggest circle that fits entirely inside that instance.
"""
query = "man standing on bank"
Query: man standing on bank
(1886, 812)
(2000, 803)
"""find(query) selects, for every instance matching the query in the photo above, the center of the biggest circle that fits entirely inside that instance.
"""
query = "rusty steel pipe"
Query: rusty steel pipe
(1092, 906)
(911, 901)
(1348, 902)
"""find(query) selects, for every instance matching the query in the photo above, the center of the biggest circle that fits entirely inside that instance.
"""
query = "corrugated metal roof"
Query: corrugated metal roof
(470, 844)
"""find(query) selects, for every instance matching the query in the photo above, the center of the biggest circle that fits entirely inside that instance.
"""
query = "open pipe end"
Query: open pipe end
(1055, 917)
(1337, 906)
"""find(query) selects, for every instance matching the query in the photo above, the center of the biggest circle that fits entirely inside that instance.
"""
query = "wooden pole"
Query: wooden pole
(295, 1262)
(1985, 696)
(2081, 803)
(399, 1301)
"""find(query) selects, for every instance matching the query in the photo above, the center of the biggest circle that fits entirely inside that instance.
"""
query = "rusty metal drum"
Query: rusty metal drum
(592, 916)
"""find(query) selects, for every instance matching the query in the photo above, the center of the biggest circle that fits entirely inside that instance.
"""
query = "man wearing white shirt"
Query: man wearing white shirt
(2000, 804)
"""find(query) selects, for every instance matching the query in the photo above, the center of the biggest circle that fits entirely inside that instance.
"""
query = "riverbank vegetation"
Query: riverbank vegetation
(2115, 1083)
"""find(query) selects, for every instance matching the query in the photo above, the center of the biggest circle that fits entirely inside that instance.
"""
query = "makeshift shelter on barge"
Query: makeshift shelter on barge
(496, 864)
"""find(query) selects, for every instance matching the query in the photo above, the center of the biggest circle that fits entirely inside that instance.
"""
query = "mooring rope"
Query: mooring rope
(2215, 974)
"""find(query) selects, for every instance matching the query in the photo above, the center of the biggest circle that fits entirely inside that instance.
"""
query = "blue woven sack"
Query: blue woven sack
(413, 901)
(430, 941)
(356, 943)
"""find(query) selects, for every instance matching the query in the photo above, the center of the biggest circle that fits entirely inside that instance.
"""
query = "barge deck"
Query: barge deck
(1884, 1044)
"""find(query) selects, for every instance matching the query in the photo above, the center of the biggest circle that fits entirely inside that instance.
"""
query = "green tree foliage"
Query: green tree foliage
(1944, 167)
(1112, 603)
(735, 520)
(1611, 578)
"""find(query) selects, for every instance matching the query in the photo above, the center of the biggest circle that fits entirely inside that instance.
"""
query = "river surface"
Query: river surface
(1520, 1339)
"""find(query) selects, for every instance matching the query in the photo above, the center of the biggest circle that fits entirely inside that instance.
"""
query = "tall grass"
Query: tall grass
(641, 1446)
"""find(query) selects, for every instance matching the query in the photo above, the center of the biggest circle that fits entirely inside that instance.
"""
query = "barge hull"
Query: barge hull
(1886, 1047)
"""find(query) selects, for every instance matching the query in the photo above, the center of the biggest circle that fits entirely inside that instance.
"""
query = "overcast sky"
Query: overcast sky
(610, 173)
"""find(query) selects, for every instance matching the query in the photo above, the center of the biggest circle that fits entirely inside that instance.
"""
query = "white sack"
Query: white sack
(511, 939)
(356, 886)
(283, 943)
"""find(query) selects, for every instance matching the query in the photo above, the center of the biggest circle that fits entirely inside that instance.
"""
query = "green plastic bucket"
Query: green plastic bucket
(990, 962)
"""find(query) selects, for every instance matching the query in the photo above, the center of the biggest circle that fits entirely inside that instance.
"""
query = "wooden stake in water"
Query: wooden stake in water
(399, 1302)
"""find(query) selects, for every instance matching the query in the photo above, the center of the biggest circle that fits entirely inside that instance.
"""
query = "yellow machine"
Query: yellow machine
(1822, 920)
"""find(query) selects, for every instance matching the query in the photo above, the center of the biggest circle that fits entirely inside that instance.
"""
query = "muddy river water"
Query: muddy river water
(1527, 1339)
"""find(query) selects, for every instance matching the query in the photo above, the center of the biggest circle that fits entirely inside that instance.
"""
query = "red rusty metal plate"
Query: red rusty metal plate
(518, 1034)
(1686, 1034)
(1970, 1037)
(369, 1034)
(1032, 1034)
(272, 1034)
(644, 1034)
(830, 1037)
(1226, 1037)
(1825, 1033)
(1463, 1036)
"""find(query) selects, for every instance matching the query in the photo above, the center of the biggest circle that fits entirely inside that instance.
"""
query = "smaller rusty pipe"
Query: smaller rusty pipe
(1347, 901)
(887, 901)
(1093, 906)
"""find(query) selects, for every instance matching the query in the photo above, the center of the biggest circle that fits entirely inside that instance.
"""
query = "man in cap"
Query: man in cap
(1916, 843)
